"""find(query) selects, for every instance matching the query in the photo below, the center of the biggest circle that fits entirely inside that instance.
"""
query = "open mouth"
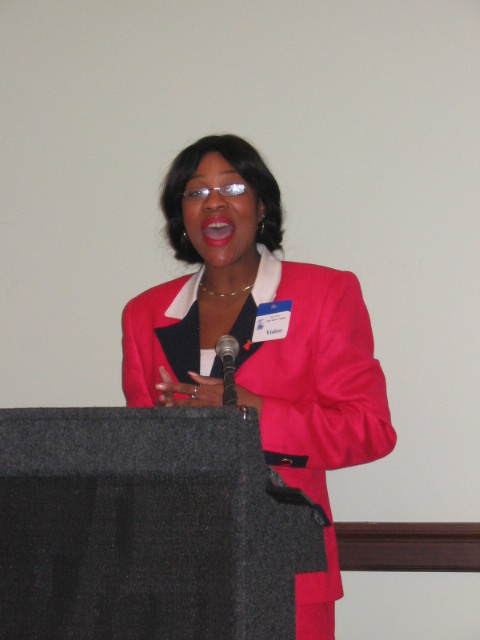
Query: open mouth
(217, 230)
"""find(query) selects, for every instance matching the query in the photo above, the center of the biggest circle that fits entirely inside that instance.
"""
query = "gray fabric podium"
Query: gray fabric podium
(145, 524)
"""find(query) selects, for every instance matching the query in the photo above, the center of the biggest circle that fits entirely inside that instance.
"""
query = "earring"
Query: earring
(261, 226)
(185, 238)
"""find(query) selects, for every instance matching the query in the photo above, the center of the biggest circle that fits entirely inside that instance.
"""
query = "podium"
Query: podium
(123, 524)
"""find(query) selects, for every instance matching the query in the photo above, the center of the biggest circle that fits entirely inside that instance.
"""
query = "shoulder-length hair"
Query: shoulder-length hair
(249, 164)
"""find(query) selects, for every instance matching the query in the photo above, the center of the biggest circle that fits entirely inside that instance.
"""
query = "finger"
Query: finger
(167, 383)
(169, 388)
(165, 376)
(204, 380)
(211, 401)
(166, 398)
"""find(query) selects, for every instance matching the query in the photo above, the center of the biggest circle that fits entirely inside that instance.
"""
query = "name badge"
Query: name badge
(272, 321)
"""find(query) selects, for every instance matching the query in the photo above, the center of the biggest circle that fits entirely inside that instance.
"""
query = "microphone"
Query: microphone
(227, 348)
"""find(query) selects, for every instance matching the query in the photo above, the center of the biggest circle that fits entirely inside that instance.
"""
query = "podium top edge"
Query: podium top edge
(105, 440)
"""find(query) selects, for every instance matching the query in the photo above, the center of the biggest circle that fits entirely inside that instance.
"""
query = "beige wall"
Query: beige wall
(368, 113)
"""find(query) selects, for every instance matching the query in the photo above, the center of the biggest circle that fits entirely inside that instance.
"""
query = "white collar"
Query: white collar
(264, 290)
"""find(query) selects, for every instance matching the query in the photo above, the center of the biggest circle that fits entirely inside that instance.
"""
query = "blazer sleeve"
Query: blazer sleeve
(134, 382)
(339, 414)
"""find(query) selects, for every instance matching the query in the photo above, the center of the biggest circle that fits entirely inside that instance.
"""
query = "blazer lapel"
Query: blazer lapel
(242, 330)
(181, 344)
(181, 341)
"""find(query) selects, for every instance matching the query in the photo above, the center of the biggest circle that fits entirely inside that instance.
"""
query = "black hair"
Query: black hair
(248, 162)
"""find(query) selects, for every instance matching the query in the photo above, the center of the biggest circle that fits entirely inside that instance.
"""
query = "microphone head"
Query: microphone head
(227, 346)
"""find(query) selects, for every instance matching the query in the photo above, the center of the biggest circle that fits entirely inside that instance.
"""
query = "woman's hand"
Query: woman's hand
(203, 392)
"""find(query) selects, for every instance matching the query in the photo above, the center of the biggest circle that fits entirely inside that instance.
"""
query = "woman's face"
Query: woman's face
(222, 228)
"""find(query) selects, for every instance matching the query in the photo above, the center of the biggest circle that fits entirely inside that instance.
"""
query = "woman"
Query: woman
(324, 406)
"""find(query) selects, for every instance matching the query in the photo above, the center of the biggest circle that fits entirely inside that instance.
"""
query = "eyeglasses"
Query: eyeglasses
(227, 191)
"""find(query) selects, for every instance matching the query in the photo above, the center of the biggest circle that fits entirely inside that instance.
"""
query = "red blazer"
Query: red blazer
(324, 394)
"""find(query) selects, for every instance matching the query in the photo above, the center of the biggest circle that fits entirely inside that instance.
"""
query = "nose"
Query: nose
(214, 200)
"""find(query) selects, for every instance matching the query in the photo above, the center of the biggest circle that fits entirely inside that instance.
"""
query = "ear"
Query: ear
(260, 211)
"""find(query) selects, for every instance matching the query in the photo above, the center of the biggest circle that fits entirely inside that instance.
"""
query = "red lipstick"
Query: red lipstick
(217, 231)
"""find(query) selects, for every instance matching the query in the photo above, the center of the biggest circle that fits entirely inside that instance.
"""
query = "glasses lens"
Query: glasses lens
(232, 190)
(201, 193)
(197, 194)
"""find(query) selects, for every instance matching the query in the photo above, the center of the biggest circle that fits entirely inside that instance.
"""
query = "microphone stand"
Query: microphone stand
(227, 348)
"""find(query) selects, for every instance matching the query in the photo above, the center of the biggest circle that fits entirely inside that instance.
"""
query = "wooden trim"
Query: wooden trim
(409, 546)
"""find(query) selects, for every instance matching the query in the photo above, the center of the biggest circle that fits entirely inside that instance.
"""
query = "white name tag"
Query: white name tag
(272, 321)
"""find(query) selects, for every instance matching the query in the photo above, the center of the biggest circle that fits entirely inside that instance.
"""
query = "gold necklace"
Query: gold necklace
(224, 295)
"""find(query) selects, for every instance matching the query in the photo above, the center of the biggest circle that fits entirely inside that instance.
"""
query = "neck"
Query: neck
(234, 280)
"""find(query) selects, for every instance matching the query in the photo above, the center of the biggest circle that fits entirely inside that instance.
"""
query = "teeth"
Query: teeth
(218, 225)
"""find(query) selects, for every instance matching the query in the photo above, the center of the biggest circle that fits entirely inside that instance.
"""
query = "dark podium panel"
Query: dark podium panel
(145, 524)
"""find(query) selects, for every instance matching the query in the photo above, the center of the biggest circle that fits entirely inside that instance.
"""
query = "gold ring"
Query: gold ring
(193, 395)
